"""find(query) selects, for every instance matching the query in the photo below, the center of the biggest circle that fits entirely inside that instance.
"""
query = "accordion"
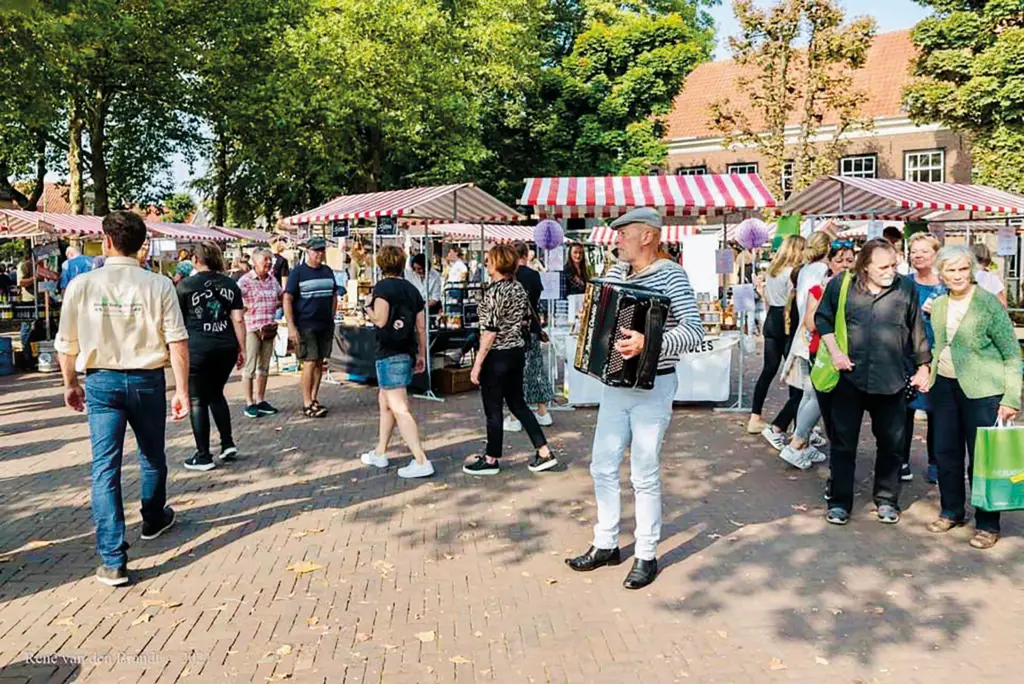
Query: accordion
(608, 308)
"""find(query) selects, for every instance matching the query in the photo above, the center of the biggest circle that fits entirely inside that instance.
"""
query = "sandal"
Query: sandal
(309, 411)
(943, 525)
(983, 539)
(318, 410)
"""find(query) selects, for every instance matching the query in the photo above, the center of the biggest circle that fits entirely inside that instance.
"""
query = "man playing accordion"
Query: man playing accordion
(636, 418)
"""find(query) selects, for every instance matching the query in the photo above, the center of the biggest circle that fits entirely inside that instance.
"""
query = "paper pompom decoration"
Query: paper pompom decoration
(548, 234)
(752, 233)
(777, 242)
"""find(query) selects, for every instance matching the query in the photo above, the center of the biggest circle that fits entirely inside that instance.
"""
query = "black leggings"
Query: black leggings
(776, 346)
(501, 382)
(207, 375)
(909, 437)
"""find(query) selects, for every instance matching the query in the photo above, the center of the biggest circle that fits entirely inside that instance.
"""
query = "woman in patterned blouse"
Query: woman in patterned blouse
(504, 323)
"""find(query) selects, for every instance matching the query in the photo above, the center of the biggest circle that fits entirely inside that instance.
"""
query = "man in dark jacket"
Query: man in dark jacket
(882, 321)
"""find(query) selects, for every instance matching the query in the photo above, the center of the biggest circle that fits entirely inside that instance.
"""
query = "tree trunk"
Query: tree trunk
(220, 200)
(5, 185)
(75, 126)
(98, 143)
(40, 185)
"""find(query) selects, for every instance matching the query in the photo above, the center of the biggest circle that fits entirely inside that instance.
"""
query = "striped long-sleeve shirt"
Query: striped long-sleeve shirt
(683, 329)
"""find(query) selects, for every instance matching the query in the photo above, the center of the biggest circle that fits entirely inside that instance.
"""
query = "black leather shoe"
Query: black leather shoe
(642, 574)
(594, 559)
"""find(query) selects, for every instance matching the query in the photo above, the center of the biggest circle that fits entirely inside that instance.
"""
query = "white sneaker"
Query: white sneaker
(815, 456)
(545, 420)
(796, 458)
(512, 425)
(414, 469)
(776, 439)
(818, 440)
(371, 458)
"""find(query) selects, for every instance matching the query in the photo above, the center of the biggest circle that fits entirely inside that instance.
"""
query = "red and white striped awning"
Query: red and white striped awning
(886, 198)
(670, 235)
(471, 232)
(17, 221)
(462, 202)
(257, 236)
(671, 195)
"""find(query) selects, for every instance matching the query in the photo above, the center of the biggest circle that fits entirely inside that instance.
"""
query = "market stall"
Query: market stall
(676, 198)
(419, 211)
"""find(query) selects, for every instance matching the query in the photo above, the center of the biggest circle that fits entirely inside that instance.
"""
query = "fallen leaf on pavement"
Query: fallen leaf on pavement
(799, 507)
(142, 619)
(821, 661)
(66, 622)
(722, 633)
(284, 650)
(776, 664)
(837, 611)
(551, 580)
(285, 451)
(478, 634)
(313, 621)
(472, 523)
(459, 660)
(425, 637)
(878, 610)
(362, 637)
(302, 567)
(524, 573)
(448, 556)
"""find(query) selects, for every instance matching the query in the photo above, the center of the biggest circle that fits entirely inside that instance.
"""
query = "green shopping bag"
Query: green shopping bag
(998, 468)
(824, 375)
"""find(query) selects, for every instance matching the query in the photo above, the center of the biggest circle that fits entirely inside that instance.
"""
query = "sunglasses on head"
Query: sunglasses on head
(842, 244)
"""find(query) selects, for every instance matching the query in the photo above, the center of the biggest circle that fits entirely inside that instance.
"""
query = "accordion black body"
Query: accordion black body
(608, 308)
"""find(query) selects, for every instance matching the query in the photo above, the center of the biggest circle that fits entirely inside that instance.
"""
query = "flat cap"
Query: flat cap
(316, 244)
(645, 215)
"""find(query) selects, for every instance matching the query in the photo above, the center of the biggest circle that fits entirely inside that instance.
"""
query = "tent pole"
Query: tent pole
(428, 266)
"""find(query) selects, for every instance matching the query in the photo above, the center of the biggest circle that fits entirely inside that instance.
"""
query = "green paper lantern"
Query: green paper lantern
(788, 225)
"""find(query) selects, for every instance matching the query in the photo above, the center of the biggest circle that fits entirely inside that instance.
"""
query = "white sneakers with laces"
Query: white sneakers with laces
(415, 469)
(371, 458)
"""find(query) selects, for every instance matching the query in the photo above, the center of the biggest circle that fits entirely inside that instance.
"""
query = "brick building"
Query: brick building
(894, 148)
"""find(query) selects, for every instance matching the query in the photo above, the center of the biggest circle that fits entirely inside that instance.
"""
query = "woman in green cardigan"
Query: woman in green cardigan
(976, 376)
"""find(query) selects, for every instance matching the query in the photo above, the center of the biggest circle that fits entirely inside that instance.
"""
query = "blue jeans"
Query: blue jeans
(634, 419)
(394, 372)
(117, 399)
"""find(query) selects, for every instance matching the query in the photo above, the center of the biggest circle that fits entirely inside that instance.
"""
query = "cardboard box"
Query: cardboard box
(452, 380)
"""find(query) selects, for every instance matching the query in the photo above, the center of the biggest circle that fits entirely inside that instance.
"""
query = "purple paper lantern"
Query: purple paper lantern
(548, 234)
(752, 233)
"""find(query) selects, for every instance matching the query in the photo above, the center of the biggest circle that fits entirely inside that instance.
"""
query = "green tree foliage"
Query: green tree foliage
(970, 77)
(179, 208)
(799, 57)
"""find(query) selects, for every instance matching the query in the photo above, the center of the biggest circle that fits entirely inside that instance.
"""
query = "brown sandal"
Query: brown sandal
(984, 539)
(943, 525)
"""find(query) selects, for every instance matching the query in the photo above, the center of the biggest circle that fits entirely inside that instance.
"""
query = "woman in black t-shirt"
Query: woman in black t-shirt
(504, 324)
(212, 305)
(397, 311)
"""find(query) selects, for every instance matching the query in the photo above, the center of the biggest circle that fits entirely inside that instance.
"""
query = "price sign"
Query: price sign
(1007, 244)
(387, 225)
(339, 228)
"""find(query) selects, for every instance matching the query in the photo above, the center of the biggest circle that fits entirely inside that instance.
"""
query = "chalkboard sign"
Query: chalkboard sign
(387, 225)
(339, 228)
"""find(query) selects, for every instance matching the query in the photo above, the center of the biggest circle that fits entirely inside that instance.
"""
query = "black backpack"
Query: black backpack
(400, 331)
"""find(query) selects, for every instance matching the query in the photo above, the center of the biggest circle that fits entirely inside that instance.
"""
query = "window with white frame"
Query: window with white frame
(787, 179)
(925, 166)
(742, 167)
(859, 166)
(692, 171)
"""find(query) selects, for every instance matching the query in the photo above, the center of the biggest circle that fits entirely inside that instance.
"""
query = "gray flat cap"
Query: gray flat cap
(645, 215)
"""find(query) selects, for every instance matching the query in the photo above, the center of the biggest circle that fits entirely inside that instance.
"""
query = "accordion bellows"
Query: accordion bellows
(608, 309)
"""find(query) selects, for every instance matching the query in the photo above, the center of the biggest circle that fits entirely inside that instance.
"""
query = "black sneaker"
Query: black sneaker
(200, 462)
(888, 514)
(112, 577)
(539, 465)
(229, 453)
(251, 411)
(154, 530)
(837, 516)
(266, 409)
(906, 474)
(481, 467)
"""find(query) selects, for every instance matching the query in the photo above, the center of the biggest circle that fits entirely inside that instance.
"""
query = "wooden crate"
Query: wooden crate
(452, 380)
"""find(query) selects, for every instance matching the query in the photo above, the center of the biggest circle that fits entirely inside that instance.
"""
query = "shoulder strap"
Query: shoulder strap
(844, 291)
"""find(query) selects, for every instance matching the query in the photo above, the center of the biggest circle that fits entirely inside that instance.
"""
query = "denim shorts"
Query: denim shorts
(394, 372)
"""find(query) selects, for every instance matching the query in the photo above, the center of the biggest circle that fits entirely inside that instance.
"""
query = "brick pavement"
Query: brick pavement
(457, 579)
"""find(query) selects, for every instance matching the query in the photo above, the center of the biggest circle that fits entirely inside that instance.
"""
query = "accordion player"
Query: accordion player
(608, 308)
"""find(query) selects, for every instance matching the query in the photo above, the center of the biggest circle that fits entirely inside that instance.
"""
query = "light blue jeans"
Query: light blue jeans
(116, 400)
(634, 419)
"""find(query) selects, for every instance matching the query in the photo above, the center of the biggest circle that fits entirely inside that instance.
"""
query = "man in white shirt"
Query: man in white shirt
(124, 325)
(458, 274)
(428, 285)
